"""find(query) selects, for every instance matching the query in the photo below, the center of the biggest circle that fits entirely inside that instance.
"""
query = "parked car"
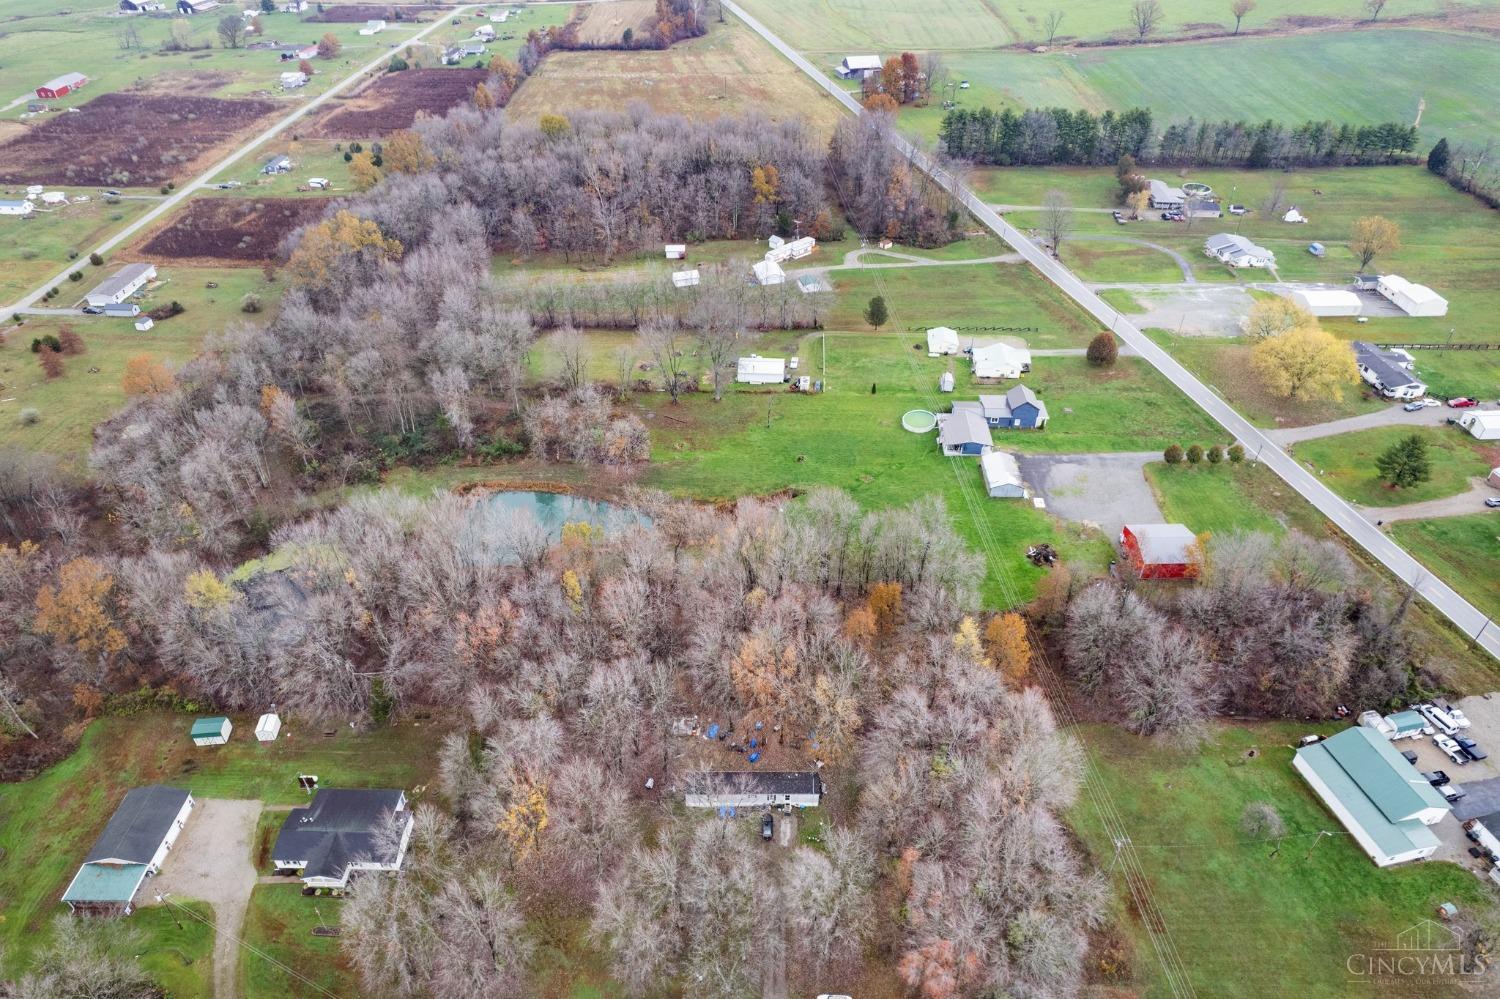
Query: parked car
(1452, 792)
(1450, 749)
(1238, 210)
(1414, 407)
(767, 826)
(1410, 755)
(1462, 402)
(1439, 719)
(1471, 748)
(1119, 219)
(1437, 778)
(963, 85)
(93, 310)
(1455, 715)
(112, 193)
(1492, 501)
(1429, 402)
(1309, 740)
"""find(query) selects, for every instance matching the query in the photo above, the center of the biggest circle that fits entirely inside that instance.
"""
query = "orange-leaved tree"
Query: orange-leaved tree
(78, 610)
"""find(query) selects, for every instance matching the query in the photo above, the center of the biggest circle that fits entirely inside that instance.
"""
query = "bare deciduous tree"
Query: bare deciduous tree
(665, 343)
(1051, 23)
(1145, 15)
(1057, 219)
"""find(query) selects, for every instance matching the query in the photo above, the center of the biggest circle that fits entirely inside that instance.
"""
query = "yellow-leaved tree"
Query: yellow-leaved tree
(405, 152)
(1305, 363)
(326, 246)
(205, 591)
(77, 610)
(524, 820)
(1008, 643)
(967, 641)
(363, 171)
(144, 375)
(1274, 316)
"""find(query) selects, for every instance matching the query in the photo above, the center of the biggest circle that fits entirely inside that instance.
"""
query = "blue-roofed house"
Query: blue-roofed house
(129, 850)
(1384, 803)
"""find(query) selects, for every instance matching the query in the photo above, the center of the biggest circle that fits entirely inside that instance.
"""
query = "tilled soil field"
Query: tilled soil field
(127, 140)
(393, 102)
(229, 230)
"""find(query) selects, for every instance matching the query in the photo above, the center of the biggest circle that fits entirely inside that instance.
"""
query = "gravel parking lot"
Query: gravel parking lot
(1107, 490)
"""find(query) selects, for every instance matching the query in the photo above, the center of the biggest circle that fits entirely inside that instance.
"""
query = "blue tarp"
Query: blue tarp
(754, 757)
(713, 731)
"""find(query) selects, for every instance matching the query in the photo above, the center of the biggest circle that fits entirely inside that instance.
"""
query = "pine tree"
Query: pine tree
(1405, 463)
(1437, 160)
(876, 313)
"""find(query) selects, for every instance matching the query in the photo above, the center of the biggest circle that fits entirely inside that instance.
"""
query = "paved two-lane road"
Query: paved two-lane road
(1463, 614)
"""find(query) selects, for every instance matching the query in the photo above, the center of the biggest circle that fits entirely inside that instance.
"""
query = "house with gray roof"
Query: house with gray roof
(753, 789)
(131, 848)
(120, 285)
(964, 431)
(1018, 409)
(1384, 803)
(1389, 372)
(1237, 251)
(1164, 195)
(344, 830)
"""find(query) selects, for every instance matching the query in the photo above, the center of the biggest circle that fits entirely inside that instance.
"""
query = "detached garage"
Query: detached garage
(132, 848)
(1484, 424)
(1002, 475)
(1323, 302)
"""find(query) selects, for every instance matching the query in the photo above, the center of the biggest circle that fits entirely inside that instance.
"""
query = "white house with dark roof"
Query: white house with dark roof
(132, 847)
(1237, 251)
(1390, 372)
(344, 830)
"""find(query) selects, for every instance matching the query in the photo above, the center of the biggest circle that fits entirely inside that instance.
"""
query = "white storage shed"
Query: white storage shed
(1484, 424)
(1327, 301)
(268, 727)
(941, 340)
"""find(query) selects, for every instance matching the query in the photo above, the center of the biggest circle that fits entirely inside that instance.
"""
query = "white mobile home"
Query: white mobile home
(676, 251)
(684, 279)
(753, 789)
(9, 207)
(1484, 424)
(132, 847)
(121, 285)
(767, 272)
(757, 370)
(372, 28)
(1001, 360)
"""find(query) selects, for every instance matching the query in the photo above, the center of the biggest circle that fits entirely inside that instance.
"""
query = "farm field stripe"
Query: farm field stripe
(1472, 622)
(187, 191)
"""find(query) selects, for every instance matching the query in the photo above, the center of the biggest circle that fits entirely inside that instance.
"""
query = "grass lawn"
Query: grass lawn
(279, 924)
(729, 71)
(1224, 364)
(1296, 78)
(1012, 297)
(118, 753)
(1346, 463)
(1465, 551)
(70, 406)
(1121, 262)
(1234, 908)
(35, 248)
(1449, 373)
(1122, 301)
(837, 28)
(1220, 499)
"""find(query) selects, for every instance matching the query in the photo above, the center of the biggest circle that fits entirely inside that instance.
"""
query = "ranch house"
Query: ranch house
(1160, 551)
(344, 830)
(1389, 372)
(1237, 251)
(963, 431)
(799, 789)
(129, 850)
(1166, 197)
(1017, 409)
(121, 285)
(61, 86)
(300, 52)
(277, 164)
(141, 6)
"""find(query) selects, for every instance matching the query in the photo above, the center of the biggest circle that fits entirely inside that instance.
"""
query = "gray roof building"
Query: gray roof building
(136, 830)
(343, 828)
(1384, 369)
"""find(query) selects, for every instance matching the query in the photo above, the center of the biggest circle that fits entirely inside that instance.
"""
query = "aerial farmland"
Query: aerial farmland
(749, 499)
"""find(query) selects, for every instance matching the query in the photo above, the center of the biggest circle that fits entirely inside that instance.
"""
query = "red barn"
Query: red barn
(62, 86)
(1161, 551)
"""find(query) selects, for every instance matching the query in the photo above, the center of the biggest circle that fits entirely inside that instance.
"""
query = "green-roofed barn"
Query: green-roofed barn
(211, 731)
(1381, 799)
(130, 849)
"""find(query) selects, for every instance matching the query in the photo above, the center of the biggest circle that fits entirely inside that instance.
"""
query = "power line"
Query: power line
(248, 946)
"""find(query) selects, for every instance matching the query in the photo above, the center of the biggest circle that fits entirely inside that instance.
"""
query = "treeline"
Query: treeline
(1063, 137)
(1471, 167)
(673, 21)
(882, 195)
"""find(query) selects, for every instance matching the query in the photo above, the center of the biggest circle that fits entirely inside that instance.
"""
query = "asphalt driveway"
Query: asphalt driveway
(1106, 490)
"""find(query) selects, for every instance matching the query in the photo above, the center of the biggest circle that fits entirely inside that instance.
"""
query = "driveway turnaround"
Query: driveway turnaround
(1392, 416)
(1106, 490)
(210, 862)
(1464, 615)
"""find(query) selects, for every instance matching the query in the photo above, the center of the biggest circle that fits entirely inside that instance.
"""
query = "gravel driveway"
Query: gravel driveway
(211, 862)
(1107, 490)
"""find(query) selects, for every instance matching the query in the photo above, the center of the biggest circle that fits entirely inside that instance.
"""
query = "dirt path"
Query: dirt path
(211, 862)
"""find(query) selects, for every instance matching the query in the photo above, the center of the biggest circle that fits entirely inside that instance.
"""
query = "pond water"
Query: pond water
(552, 510)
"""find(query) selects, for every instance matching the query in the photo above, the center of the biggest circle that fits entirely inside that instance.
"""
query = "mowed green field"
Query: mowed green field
(1249, 917)
(36, 247)
(69, 407)
(840, 27)
(1346, 463)
(1296, 78)
(1464, 551)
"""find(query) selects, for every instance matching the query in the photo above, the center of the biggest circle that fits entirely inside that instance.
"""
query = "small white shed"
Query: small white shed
(1292, 215)
(268, 727)
(945, 383)
(1483, 424)
(684, 279)
(1494, 478)
(144, 323)
(676, 251)
(941, 340)
(767, 272)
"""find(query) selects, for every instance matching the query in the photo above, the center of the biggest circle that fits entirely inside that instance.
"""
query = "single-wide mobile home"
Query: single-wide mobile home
(757, 370)
(132, 847)
(752, 789)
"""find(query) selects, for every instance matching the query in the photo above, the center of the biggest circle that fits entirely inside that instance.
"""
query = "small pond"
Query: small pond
(552, 510)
